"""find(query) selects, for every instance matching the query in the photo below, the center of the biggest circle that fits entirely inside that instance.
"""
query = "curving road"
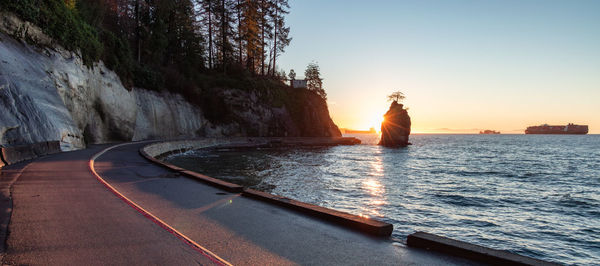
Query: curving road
(63, 214)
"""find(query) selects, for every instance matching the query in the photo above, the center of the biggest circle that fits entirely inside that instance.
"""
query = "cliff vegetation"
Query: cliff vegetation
(115, 65)
(187, 47)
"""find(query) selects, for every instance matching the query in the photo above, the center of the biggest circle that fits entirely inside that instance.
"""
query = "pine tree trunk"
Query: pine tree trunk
(210, 34)
(223, 36)
(262, 33)
(239, 7)
(138, 41)
(270, 60)
(275, 41)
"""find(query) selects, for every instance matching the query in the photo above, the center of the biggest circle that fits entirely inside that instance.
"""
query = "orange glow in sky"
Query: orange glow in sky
(463, 66)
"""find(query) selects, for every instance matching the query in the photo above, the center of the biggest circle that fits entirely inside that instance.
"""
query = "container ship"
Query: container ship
(548, 129)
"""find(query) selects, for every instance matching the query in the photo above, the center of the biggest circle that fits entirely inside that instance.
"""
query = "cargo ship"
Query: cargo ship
(548, 129)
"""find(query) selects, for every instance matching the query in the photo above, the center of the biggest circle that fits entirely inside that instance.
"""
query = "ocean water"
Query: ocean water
(535, 195)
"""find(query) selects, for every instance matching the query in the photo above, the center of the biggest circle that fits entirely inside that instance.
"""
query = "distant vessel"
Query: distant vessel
(487, 131)
(560, 129)
(351, 131)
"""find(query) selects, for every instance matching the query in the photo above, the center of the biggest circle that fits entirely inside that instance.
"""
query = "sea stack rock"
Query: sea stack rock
(396, 126)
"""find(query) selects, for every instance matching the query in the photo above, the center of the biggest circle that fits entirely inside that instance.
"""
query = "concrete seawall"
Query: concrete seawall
(470, 251)
(162, 149)
(154, 152)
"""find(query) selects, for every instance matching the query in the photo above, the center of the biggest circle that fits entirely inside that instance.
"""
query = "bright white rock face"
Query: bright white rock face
(48, 94)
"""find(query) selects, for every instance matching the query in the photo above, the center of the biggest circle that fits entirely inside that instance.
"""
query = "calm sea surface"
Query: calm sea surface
(535, 195)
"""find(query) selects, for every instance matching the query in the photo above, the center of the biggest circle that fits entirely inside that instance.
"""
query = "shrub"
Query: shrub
(148, 78)
(61, 23)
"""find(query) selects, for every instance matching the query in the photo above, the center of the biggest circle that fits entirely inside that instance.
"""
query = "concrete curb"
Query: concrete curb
(165, 148)
(471, 251)
(365, 225)
(369, 226)
(162, 163)
(229, 187)
(15, 154)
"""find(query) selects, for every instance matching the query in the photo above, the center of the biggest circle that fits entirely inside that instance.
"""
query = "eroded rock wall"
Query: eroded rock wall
(48, 94)
(31, 109)
(166, 116)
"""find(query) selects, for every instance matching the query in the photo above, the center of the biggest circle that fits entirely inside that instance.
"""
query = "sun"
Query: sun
(376, 121)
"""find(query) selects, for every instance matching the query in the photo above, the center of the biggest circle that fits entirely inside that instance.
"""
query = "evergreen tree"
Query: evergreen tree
(239, 7)
(209, 9)
(264, 10)
(314, 82)
(281, 37)
(250, 34)
(225, 19)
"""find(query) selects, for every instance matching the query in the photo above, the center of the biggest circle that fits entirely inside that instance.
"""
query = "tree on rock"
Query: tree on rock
(395, 128)
(396, 96)
(314, 82)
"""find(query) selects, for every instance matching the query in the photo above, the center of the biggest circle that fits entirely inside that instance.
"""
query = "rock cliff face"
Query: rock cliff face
(48, 94)
(255, 113)
(395, 129)
(311, 111)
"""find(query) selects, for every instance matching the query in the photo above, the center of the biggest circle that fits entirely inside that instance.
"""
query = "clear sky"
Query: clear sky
(463, 65)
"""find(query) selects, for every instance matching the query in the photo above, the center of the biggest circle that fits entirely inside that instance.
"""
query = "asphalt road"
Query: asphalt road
(62, 215)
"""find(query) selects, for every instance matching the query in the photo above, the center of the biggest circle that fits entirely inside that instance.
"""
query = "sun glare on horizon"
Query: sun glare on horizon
(376, 122)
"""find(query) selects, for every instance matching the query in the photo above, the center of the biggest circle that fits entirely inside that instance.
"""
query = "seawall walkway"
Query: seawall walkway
(61, 213)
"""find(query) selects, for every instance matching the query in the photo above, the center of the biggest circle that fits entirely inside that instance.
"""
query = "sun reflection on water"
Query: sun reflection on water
(376, 167)
(376, 199)
(373, 187)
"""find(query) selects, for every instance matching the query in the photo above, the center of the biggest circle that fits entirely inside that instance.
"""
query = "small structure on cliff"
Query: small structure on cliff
(395, 127)
(299, 83)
